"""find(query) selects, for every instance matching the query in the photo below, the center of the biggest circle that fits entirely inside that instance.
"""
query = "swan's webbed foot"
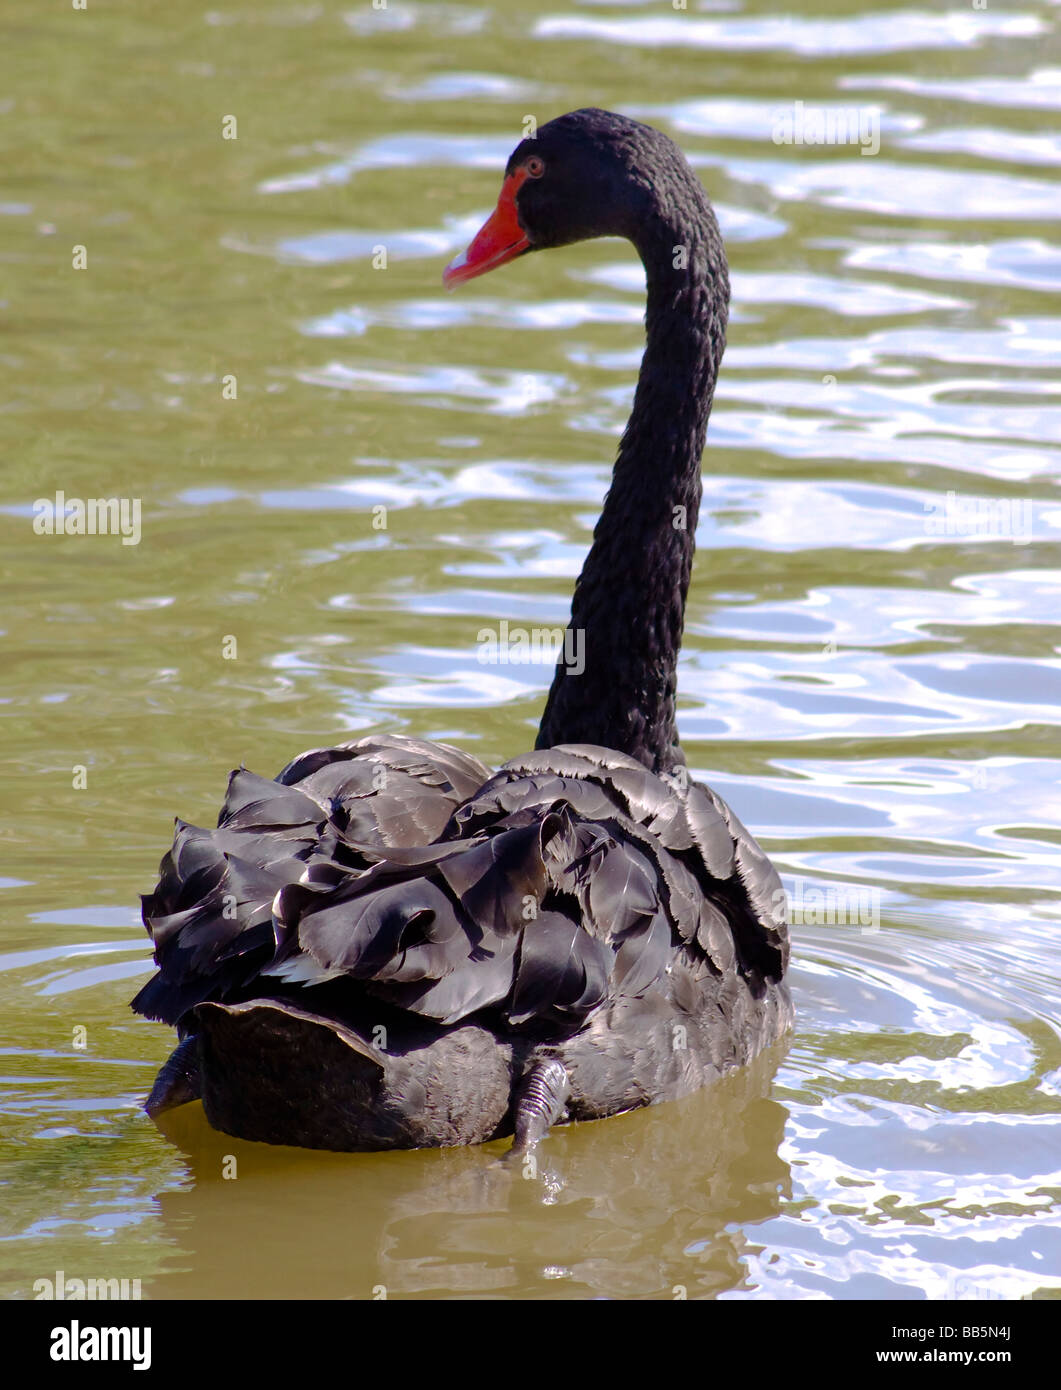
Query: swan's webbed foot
(178, 1082)
(540, 1098)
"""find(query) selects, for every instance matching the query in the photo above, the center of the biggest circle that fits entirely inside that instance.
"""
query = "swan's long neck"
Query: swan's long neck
(628, 609)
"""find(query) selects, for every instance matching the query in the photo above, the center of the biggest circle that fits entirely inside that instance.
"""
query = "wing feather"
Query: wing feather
(397, 870)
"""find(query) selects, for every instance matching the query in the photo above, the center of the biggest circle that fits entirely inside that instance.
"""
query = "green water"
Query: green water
(870, 675)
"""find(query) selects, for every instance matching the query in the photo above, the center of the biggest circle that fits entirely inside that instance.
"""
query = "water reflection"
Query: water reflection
(659, 1203)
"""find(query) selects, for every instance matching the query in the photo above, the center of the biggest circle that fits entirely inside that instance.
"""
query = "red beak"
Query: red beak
(500, 238)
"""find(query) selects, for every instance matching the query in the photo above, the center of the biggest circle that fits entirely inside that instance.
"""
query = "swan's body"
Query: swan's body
(390, 947)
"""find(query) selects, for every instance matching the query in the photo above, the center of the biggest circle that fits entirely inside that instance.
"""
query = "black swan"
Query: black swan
(391, 946)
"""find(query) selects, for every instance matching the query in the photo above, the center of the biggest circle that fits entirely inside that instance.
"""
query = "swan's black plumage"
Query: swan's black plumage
(630, 598)
(387, 945)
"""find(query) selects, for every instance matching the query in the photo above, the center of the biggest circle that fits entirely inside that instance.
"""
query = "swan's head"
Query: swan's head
(588, 174)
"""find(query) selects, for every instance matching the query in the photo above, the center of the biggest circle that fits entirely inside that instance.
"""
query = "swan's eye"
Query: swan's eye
(535, 167)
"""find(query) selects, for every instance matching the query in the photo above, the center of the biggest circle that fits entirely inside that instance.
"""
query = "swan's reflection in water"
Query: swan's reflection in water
(657, 1203)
